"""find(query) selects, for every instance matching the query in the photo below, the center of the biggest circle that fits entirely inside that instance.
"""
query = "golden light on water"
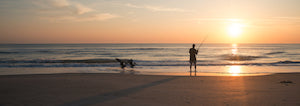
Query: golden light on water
(234, 45)
(234, 49)
(234, 70)
(234, 54)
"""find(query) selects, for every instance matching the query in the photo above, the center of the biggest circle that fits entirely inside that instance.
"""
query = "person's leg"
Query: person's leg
(191, 65)
(191, 68)
(195, 67)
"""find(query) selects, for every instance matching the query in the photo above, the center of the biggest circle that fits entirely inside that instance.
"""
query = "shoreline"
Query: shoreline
(158, 74)
(172, 71)
(174, 74)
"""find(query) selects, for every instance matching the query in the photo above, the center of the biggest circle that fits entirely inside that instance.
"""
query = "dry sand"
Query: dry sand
(148, 90)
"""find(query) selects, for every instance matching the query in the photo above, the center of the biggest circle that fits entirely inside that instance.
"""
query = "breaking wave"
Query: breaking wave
(240, 57)
(272, 53)
(140, 63)
(61, 61)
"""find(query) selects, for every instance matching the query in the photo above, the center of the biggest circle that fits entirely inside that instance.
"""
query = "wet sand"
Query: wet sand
(148, 90)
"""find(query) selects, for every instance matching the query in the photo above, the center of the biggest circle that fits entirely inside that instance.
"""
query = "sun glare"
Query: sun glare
(234, 29)
(234, 70)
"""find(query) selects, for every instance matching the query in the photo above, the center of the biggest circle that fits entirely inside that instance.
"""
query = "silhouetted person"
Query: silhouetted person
(193, 52)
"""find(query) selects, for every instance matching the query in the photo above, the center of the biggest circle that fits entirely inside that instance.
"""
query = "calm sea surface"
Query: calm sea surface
(237, 59)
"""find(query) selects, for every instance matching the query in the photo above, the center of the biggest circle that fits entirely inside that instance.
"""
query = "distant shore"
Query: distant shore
(150, 90)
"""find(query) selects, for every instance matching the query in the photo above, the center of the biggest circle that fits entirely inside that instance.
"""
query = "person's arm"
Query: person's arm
(196, 51)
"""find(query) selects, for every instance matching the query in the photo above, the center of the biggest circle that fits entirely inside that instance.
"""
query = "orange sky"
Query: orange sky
(156, 21)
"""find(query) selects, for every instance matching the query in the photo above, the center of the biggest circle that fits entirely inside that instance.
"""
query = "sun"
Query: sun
(234, 29)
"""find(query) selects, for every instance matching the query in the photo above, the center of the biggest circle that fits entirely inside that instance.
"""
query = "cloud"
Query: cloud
(132, 6)
(65, 10)
(94, 17)
(63, 5)
(103, 16)
(51, 3)
(220, 19)
(257, 22)
(80, 9)
(156, 8)
(278, 21)
(153, 8)
(294, 19)
(60, 3)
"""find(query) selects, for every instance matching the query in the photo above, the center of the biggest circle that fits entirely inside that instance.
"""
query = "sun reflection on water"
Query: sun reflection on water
(234, 70)
(234, 49)
(234, 54)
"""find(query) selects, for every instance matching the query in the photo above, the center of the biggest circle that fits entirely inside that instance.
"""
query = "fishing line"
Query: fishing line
(202, 42)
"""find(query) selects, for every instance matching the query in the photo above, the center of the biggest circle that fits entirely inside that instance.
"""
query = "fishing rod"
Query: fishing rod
(202, 42)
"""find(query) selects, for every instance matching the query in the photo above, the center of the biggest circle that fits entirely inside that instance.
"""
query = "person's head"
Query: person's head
(193, 45)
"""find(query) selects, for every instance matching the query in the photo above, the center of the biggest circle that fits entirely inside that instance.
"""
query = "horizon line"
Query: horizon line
(139, 43)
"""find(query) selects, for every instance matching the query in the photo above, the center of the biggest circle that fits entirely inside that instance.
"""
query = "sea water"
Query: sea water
(159, 59)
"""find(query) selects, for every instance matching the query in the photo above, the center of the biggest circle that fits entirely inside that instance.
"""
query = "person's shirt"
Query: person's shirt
(193, 52)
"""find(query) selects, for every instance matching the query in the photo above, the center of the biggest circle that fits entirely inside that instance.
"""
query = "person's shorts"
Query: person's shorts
(193, 60)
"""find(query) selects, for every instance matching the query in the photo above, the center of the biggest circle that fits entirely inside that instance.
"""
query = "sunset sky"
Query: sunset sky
(149, 21)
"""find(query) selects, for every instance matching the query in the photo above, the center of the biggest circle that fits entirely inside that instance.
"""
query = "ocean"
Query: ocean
(158, 59)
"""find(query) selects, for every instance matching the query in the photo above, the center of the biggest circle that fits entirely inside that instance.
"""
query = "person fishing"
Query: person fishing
(193, 52)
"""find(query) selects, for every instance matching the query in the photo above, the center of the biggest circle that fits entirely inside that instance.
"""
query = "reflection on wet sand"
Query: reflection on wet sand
(129, 72)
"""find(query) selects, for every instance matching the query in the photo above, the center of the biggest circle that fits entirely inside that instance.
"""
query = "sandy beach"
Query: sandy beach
(148, 90)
